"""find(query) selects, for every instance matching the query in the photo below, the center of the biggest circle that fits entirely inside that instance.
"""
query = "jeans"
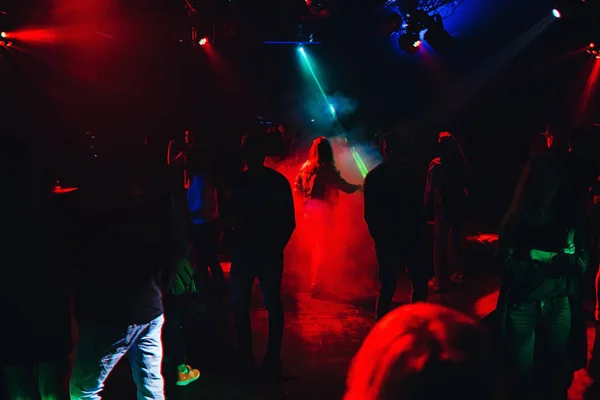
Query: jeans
(392, 257)
(537, 336)
(205, 241)
(101, 347)
(268, 268)
(319, 216)
(172, 335)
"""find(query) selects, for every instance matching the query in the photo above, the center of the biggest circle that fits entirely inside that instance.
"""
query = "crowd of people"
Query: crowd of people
(147, 233)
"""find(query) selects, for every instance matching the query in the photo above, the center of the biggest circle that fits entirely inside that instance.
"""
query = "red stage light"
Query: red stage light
(3, 34)
(592, 45)
(9, 44)
(2, 43)
(203, 41)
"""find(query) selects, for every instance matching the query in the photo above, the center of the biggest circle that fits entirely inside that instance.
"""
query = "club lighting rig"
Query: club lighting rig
(592, 50)
(408, 18)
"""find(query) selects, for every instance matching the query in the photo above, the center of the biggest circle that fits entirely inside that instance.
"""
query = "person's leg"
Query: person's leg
(242, 276)
(174, 343)
(212, 242)
(145, 358)
(198, 232)
(98, 351)
(456, 238)
(20, 382)
(318, 217)
(388, 267)
(415, 268)
(552, 336)
(597, 282)
(269, 277)
(50, 376)
(440, 251)
(520, 337)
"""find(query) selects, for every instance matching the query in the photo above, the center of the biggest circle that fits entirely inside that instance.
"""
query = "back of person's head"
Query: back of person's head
(395, 147)
(423, 352)
(449, 148)
(321, 152)
(254, 147)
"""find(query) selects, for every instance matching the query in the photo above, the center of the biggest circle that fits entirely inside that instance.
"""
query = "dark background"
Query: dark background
(144, 83)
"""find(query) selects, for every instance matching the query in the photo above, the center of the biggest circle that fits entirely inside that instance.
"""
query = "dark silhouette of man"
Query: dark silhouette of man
(396, 221)
(263, 220)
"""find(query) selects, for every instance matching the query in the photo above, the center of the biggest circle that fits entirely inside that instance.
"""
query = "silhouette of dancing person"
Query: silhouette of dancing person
(446, 198)
(320, 182)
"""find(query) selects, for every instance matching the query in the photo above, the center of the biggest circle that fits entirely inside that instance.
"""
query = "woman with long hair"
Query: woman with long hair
(446, 198)
(320, 182)
(543, 256)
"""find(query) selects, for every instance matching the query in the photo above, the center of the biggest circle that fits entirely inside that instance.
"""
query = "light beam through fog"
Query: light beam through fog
(359, 162)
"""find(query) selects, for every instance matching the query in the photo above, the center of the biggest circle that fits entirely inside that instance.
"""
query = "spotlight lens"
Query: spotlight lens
(417, 43)
(3, 34)
(203, 41)
(556, 13)
(301, 49)
(592, 45)
(9, 44)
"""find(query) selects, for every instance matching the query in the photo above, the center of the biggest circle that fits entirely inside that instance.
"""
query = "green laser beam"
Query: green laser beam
(359, 162)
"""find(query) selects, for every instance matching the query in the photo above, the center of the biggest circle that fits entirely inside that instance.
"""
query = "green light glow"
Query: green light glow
(359, 162)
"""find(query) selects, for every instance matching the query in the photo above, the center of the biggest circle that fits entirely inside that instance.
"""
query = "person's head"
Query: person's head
(449, 148)
(395, 147)
(191, 138)
(254, 149)
(536, 190)
(321, 152)
(423, 351)
(557, 138)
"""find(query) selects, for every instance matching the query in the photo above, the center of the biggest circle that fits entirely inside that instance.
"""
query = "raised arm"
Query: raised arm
(174, 157)
(342, 184)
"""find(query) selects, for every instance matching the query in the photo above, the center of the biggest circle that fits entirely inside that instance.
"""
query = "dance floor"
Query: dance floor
(321, 337)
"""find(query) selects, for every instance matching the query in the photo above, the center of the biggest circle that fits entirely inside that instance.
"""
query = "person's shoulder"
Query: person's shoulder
(376, 172)
(277, 177)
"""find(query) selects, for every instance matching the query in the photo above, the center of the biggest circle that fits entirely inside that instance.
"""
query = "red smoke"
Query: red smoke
(352, 266)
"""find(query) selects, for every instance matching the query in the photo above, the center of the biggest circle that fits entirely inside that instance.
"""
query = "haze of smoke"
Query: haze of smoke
(352, 270)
